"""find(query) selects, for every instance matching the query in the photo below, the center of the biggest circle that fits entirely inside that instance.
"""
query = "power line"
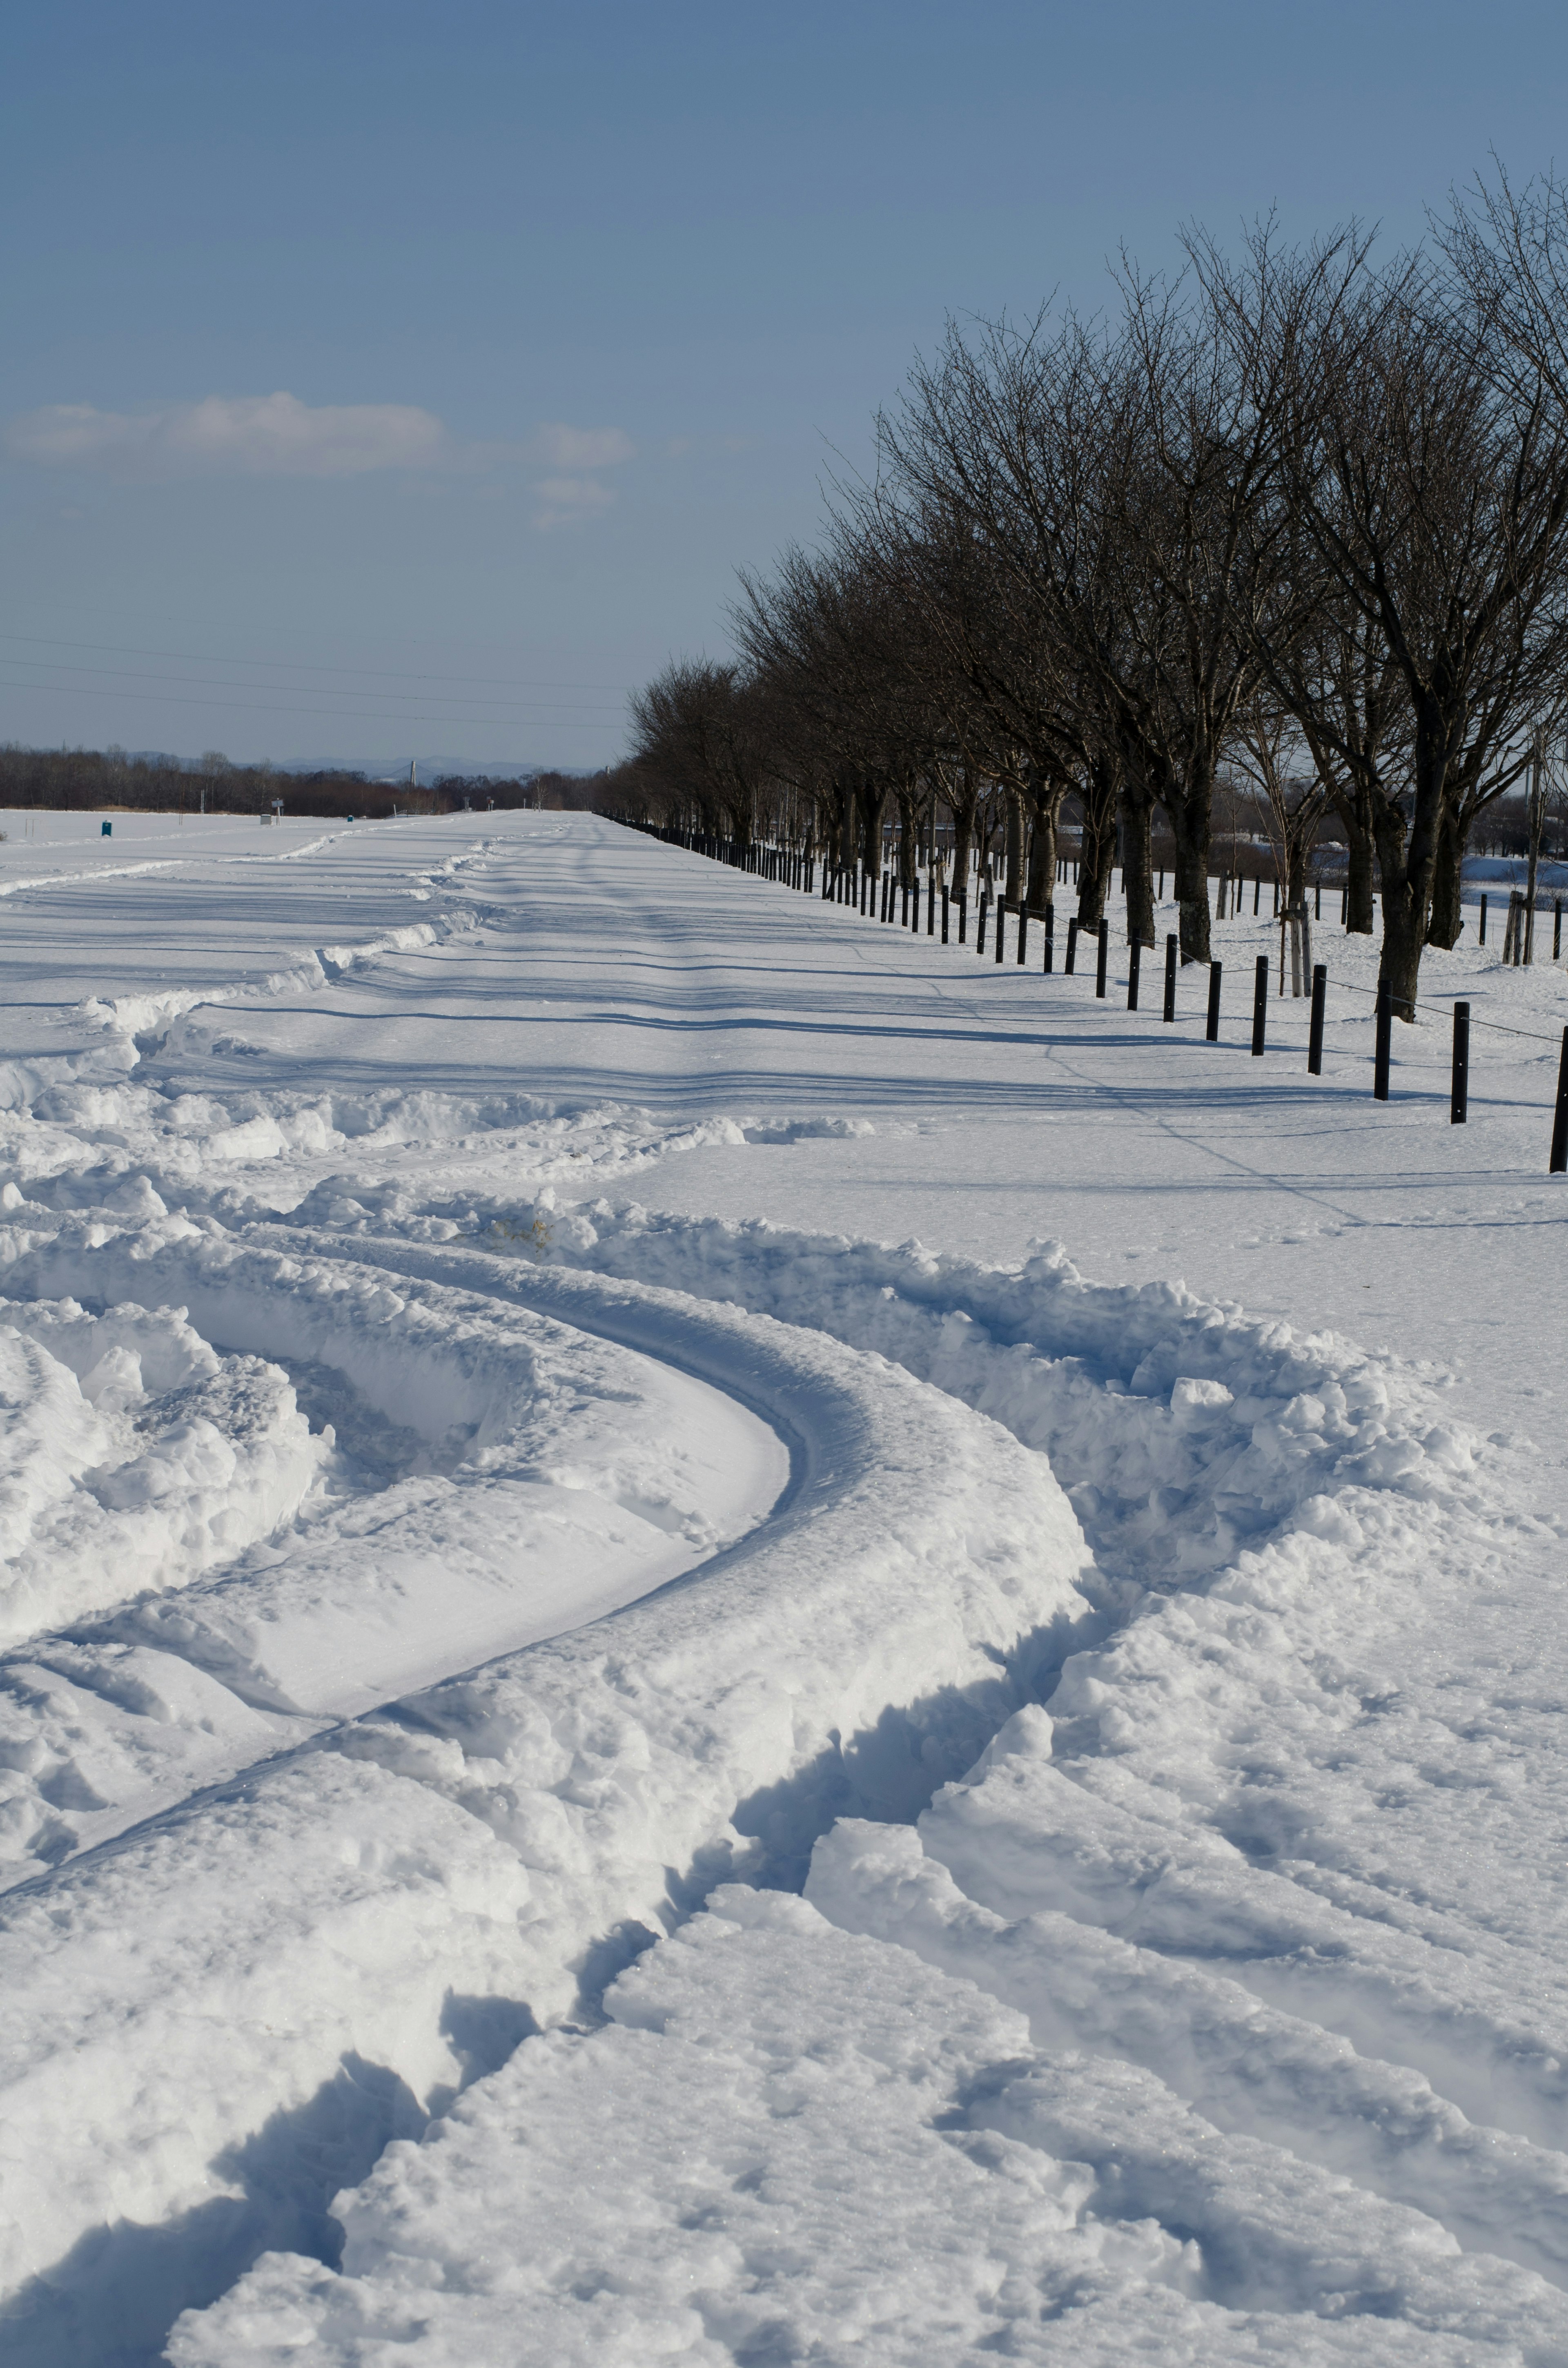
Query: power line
(322, 690)
(301, 665)
(321, 714)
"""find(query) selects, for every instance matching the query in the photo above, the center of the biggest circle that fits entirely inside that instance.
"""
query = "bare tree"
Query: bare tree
(1432, 487)
(697, 726)
(1267, 749)
(1124, 488)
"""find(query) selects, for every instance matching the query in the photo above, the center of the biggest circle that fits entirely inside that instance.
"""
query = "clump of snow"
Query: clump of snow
(134, 1457)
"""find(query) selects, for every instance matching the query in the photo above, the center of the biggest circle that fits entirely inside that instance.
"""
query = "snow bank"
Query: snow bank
(853, 1653)
(133, 1457)
(144, 1018)
(208, 2031)
(796, 2143)
(1185, 1431)
(501, 1477)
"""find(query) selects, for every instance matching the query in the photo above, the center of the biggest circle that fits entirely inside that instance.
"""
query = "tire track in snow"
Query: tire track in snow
(1380, 2108)
(515, 1835)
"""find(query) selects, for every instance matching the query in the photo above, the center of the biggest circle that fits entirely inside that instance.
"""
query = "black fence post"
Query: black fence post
(979, 927)
(944, 912)
(1559, 1165)
(1211, 1032)
(1260, 1001)
(1557, 929)
(1384, 1044)
(931, 904)
(1072, 945)
(1133, 966)
(1481, 940)
(1171, 946)
(1104, 955)
(1314, 1033)
(964, 913)
(1023, 928)
(1050, 934)
(1459, 1094)
(1001, 925)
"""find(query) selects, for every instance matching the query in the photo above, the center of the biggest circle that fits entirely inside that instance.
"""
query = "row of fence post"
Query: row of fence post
(794, 868)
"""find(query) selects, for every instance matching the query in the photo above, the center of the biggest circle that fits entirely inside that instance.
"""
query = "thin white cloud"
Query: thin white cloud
(278, 436)
(254, 435)
(583, 448)
(566, 500)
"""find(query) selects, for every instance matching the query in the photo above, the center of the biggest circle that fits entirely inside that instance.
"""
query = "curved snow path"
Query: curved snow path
(182, 2003)
(230, 1598)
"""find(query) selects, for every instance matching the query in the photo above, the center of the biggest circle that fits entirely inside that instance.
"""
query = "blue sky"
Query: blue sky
(390, 380)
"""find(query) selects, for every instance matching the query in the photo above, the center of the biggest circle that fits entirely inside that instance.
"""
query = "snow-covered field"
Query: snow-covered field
(725, 1638)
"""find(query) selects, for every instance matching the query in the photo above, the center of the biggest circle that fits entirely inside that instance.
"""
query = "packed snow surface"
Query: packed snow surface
(723, 1638)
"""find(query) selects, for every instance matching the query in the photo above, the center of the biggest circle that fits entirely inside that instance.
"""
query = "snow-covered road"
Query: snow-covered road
(1092, 1742)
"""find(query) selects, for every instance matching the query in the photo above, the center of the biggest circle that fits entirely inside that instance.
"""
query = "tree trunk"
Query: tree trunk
(845, 803)
(1354, 808)
(1097, 854)
(1403, 934)
(909, 823)
(1042, 862)
(1045, 804)
(1014, 846)
(1189, 828)
(961, 800)
(1296, 876)
(1138, 866)
(1407, 855)
(1447, 877)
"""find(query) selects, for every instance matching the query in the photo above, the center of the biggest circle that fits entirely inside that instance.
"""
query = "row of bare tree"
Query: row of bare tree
(1299, 517)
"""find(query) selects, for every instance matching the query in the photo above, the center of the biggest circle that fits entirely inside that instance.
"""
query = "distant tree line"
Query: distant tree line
(107, 780)
(1291, 533)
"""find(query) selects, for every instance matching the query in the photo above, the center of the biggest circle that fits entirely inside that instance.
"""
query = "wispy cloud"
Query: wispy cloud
(565, 498)
(572, 497)
(278, 436)
(254, 435)
(583, 448)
